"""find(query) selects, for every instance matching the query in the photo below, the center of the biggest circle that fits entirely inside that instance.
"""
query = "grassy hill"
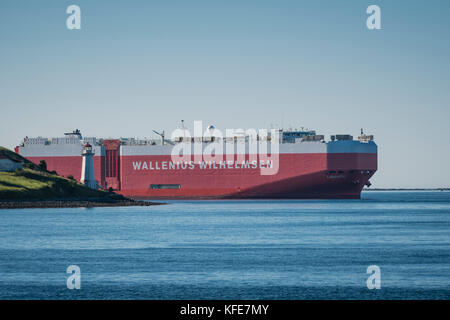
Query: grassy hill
(32, 183)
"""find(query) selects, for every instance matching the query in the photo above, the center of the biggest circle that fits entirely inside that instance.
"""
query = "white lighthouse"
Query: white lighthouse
(87, 170)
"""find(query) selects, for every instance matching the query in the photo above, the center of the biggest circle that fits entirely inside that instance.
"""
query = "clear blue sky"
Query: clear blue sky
(142, 65)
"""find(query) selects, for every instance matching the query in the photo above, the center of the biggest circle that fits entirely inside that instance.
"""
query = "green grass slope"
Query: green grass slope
(31, 183)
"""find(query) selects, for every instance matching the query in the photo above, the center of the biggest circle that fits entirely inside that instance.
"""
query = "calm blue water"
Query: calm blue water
(232, 249)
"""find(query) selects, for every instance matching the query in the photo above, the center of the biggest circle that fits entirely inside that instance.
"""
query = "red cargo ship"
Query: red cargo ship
(309, 167)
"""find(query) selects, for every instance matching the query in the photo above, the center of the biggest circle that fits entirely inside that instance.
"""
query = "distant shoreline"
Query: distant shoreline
(88, 203)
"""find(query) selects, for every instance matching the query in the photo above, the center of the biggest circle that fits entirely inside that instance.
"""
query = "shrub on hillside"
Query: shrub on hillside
(43, 165)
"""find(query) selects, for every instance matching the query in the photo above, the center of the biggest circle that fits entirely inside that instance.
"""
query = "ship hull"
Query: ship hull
(335, 175)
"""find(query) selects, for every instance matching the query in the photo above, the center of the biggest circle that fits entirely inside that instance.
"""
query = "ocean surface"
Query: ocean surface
(232, 249)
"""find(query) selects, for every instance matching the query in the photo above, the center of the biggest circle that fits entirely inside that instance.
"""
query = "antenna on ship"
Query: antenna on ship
(184, 130)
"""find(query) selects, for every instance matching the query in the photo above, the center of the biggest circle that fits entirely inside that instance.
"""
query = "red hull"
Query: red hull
(300, 176)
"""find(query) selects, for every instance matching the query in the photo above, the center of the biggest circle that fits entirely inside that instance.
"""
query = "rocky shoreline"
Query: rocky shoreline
(88, 203)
